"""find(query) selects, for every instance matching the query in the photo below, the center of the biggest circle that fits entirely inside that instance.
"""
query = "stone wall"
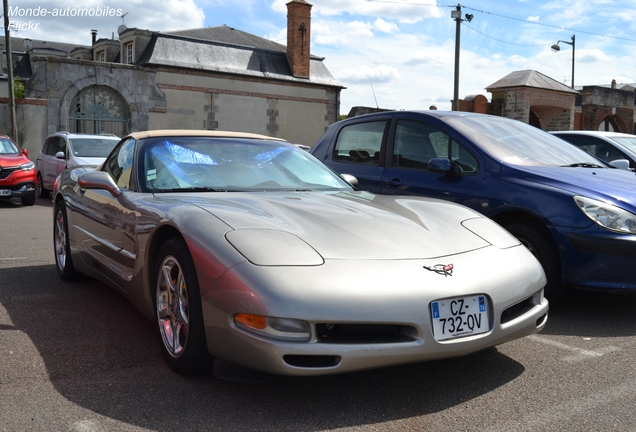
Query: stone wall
(31, 122)
(206, 100)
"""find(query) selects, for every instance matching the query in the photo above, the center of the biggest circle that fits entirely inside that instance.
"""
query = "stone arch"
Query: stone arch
(534, 120)
(88, 81)
(98, 109)
(609, 123)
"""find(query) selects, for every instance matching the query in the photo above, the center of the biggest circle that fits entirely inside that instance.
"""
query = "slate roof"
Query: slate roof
(253, 56)
(529, 78)
(42, 46)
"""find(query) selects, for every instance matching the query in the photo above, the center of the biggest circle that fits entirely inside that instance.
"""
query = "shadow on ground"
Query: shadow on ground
(102, 354)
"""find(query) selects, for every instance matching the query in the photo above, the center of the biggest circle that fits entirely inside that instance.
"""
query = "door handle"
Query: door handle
(395, 183)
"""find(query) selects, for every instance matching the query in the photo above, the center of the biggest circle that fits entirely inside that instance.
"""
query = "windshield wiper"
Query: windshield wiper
(192, 189)
(583, 165)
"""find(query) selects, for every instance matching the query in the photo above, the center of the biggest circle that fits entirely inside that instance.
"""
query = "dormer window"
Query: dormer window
(101, 56)
(128, 52)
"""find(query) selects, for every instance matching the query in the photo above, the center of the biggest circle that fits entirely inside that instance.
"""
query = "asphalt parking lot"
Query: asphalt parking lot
(77, 356)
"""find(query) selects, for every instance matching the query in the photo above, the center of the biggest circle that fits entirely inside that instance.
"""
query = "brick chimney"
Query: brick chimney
(298, 32)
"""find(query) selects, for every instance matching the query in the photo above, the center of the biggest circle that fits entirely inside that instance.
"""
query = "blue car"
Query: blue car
(573, 211)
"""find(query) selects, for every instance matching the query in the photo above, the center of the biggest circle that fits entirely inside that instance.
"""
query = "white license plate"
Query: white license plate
(5, 192)
(457, 317)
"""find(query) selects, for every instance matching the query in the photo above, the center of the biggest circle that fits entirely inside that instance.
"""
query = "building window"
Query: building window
(128, 49)
(102, 56)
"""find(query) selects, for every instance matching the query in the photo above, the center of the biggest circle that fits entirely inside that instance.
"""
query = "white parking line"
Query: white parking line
(582, 354)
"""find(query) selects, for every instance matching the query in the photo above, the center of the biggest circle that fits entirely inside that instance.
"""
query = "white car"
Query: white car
(607, 146)
(64, 149)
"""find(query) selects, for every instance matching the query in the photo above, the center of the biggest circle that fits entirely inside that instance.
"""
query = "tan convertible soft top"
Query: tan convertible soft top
(194, 132)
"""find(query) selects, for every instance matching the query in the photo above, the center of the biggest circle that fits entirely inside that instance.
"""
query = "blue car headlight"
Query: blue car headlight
(607, 215)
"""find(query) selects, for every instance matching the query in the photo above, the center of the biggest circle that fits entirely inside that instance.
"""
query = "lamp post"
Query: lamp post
(556, 48)
(457, 16)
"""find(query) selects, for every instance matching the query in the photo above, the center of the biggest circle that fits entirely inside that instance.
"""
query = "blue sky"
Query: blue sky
(400, 53)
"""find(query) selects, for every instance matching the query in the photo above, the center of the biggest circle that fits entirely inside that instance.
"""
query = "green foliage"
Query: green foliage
(18, 88)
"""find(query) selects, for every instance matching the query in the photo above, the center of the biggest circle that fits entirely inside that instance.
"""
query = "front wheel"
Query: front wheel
(540, 243)
(63, 260)
(178, 310)
(28, 201)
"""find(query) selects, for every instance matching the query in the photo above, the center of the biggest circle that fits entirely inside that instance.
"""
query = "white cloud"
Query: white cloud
(384, 26)
(401, 10)
(365, 74)
(64, 22)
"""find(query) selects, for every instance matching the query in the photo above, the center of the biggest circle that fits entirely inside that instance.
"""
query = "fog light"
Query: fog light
(275, 328)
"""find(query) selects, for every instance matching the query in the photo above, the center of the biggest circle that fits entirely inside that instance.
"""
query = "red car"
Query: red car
(17, 172)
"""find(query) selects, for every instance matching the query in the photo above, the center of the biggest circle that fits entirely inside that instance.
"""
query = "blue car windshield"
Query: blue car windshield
(518, 143)
(231, 164)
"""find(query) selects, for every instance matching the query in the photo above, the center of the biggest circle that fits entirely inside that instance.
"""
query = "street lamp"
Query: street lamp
(457, 16)
(557, 48)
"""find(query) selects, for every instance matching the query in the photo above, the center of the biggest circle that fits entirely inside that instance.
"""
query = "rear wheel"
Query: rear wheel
(42, 193)
(178, 310)
(64, 262)
(540, 243)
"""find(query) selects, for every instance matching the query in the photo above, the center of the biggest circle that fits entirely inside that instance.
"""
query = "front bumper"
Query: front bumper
(599, 259)
(20, 190)
(382, 293)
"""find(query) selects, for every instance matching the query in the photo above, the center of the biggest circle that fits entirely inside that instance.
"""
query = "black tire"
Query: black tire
(178, 312)
(536, 238)
(28, 201)
(42, 193)
(61, 247)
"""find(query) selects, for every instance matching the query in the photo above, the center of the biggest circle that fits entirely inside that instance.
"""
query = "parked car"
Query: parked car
(607, 146)
(574, 212)
(17, 173)
(247, 249)
(64, 149)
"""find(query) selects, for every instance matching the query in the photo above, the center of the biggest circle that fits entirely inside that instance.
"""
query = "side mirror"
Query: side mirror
(25, 152)
(350, 179)
(60, 155)
(620, 164)
(98, 180)
(443, 166)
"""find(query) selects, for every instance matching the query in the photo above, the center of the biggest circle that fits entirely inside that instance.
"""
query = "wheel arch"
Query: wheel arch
(159, 237)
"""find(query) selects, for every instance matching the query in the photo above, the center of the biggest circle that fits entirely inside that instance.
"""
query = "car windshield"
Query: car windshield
(224, 164)
(518, 143)
(92, 147)
(628, 142)
(8, 147)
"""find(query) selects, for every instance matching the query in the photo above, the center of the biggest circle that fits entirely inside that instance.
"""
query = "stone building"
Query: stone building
(215, 78)
(541, 101)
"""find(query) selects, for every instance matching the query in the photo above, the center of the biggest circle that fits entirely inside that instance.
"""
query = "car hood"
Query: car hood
(347, 225)
(612, 185)
(13, 160)
(91, 161)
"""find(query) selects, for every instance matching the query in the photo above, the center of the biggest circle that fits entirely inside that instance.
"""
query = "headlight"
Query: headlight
(27, 166)
(607, 215)
(275, 328)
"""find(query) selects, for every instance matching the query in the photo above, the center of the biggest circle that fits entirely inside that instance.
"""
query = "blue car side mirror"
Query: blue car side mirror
(443, 166)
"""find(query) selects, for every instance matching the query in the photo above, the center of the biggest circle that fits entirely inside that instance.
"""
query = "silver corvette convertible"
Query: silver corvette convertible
(245, 248)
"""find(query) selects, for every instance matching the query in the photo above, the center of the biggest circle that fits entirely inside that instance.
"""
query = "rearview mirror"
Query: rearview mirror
(98, 180)
(350, 179)
(443, 166)
(620, 164)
